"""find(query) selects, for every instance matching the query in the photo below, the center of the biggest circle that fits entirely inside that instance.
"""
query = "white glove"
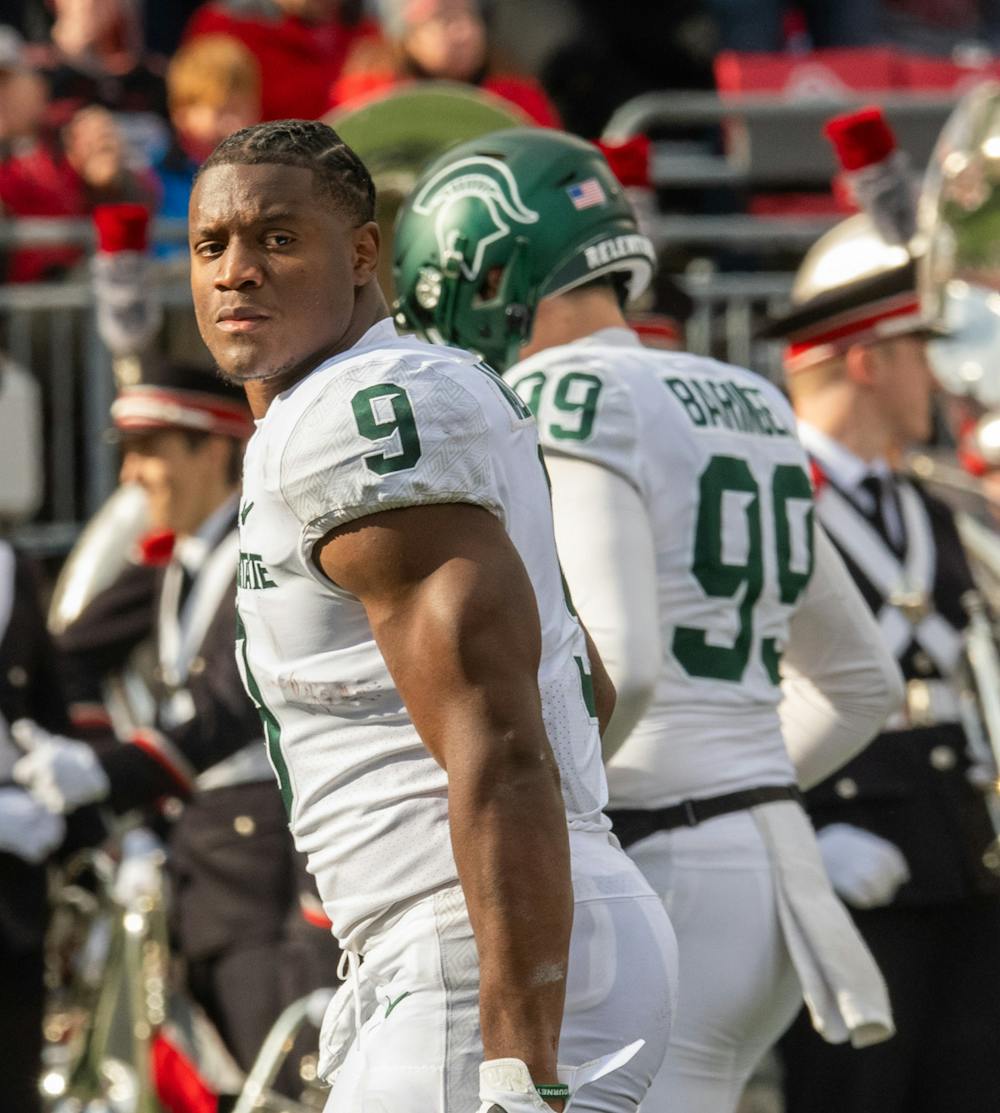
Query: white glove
(505, 1086)
(139, 874)
(60, 773)
(864, 869)
(27, 828)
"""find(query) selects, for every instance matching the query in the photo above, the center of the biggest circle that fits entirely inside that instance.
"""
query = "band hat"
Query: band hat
(182, 397)
(858, 282)
(852, 288)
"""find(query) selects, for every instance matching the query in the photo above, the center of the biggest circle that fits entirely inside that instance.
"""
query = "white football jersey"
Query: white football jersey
(392, 422)
(713, 453)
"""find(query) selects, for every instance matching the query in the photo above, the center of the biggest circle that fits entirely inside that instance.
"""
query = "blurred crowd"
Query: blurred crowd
(119, 100)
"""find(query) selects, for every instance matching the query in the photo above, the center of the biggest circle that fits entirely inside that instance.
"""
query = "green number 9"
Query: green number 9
(743, 582)
(718, 578)
(380, 412)
(530, 389)
(576, 395)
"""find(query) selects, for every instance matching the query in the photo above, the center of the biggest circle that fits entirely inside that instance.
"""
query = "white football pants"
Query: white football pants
(420, 1050)
(738, 988)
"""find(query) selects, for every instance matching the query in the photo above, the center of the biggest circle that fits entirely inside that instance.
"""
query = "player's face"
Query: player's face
(905, 387)
(274, 270)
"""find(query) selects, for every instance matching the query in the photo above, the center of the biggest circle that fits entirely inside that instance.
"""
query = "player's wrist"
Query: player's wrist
(509, 1085)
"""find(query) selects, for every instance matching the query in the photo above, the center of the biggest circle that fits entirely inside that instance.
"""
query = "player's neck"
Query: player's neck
(369, 309)
(572, 316)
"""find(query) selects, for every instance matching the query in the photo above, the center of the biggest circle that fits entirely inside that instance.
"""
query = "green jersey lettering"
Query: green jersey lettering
(252, 574)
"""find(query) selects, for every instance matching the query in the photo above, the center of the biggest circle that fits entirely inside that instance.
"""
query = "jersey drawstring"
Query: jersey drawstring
(351, 970)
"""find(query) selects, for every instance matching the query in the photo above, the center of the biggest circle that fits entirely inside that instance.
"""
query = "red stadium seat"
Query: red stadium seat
(822, 74)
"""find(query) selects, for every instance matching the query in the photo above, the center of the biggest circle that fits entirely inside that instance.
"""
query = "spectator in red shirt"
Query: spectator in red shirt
(300, 46)
(96, 57)
(39, 178)
(436, 39)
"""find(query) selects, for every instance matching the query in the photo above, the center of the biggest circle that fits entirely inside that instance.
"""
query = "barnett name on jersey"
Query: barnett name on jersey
(390, 423)
(711, 449)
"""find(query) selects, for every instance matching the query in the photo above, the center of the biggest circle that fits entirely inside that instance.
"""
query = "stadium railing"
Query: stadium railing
(727, 260)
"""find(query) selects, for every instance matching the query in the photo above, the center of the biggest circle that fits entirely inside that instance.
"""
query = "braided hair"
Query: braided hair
(309, 144)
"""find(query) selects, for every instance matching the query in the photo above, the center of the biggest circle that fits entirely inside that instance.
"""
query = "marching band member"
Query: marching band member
(234, 873)
(902, 830)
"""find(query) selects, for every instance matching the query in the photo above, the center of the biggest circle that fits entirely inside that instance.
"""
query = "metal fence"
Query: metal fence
(51, 330)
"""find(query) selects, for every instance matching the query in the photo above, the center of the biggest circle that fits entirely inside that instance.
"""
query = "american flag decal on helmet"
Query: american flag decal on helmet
(586, 194)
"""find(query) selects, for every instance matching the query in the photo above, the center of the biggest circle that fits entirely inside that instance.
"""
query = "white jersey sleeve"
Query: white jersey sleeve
(583, 410)
(383, 436)
(602, 528)
(839, 680)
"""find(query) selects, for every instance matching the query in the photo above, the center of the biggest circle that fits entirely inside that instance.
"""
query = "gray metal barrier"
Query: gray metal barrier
(728, 308)
(50, 329)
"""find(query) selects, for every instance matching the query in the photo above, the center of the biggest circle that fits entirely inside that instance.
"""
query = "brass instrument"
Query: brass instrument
(100, 1025)
(396, 135)
(279, 1040)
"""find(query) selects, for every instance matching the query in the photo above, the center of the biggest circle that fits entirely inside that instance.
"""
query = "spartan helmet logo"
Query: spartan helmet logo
(486, 179)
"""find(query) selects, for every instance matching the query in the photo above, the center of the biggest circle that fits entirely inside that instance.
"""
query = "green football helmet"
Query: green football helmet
(502, 221)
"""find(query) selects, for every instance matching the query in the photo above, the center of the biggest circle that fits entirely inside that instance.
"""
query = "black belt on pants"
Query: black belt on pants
(632, 824)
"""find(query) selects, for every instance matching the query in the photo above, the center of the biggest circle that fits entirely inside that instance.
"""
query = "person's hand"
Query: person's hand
(140, 871)
(506, 1086)
(864, 869)
(28, 829)
(59, 772)
(95, 148)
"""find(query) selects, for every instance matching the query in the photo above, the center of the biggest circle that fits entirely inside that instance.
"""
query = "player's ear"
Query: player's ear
(367, 240)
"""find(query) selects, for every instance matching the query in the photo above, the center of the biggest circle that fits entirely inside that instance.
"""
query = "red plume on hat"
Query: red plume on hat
(877, 173)
(629, 159)
(128, 312)
(122, 227)
(860, 138)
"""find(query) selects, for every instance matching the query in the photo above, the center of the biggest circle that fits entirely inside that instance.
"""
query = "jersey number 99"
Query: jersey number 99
(742, 581)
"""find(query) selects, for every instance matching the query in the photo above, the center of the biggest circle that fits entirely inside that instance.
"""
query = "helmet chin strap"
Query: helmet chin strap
(515, 296)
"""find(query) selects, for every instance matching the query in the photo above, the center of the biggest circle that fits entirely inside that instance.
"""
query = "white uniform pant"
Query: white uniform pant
(420, 1050)
(738, 988)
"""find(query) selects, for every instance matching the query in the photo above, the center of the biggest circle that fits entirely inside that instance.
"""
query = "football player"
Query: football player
(429, 703)
(683, 512)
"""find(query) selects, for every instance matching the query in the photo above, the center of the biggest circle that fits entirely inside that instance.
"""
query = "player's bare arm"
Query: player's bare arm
(453, 612)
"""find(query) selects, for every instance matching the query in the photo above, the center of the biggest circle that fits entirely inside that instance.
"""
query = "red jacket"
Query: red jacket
(40, 182)
(299, 61)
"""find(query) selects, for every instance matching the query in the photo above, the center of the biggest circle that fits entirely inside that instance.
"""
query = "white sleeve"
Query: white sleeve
(839, 680)
(606, 549)
(384, 437)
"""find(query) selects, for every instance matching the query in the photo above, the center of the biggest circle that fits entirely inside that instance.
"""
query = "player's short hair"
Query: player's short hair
(309, 144)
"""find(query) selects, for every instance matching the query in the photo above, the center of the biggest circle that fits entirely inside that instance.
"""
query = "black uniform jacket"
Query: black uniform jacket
(31, 687)
(231, 856)
(101, 641)
(911, 786)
